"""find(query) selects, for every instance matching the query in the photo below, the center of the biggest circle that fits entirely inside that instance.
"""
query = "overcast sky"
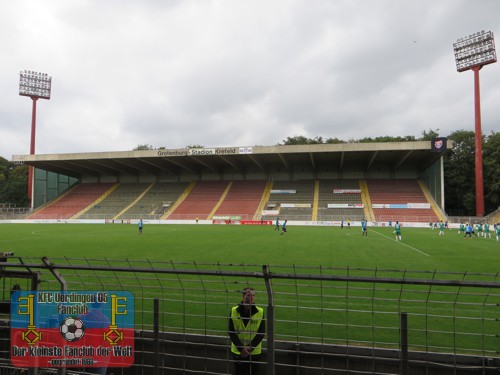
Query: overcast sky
(175, 73)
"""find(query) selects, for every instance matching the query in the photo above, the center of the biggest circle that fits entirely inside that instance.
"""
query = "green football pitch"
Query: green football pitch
(421, 249)
(349, 313)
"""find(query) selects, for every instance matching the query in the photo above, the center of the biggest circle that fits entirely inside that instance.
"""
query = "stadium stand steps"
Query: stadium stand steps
(72, 201)
(304, 200)
(400, 200)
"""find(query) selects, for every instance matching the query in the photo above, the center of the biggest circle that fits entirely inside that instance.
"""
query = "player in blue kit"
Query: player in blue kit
(469, 231)
(283, 227)
(140, 227)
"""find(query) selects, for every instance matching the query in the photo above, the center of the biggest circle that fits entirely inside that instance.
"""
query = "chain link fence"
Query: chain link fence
(318, 320)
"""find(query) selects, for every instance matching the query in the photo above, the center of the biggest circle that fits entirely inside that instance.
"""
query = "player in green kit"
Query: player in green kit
(497, 230)
(479, 230)
(487, 230)
(441, 228)
(397, 231)
(461, 230)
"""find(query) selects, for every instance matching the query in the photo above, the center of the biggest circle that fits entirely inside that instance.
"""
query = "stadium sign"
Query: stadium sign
(72, 329)
(211, 151)
(246, 150)
(164, 153)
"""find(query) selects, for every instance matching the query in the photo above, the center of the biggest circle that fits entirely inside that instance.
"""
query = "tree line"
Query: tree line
(459, 171)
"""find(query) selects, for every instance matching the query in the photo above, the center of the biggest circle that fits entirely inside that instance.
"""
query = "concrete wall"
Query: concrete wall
(183, 354)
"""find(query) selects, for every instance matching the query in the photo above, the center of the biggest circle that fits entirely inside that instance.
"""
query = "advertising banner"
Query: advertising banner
(295, 205)
(256, 222)
(403, 205)
(270, 212)
(345, 205)
(419, 205)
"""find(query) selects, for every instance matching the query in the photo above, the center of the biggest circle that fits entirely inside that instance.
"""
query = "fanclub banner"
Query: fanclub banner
(72, 328)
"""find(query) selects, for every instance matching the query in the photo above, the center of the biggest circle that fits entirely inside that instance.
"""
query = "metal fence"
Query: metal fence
(318, 320)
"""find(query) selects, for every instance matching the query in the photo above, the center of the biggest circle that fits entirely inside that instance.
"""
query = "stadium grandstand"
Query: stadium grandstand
(318, 319)
(305, 183)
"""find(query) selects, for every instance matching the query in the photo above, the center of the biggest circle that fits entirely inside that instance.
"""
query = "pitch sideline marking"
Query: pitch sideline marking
(402, 243)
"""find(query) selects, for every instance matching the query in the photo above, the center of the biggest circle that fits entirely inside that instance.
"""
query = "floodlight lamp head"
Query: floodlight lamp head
(35, 84)
(476, 50)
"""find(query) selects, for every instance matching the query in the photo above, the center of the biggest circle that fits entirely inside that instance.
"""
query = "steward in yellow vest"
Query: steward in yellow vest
(246, 329)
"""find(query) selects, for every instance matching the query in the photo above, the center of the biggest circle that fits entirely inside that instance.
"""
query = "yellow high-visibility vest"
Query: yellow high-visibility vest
(248, 332)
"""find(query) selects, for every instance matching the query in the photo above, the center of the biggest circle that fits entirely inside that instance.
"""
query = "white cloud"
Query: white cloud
(220, 72)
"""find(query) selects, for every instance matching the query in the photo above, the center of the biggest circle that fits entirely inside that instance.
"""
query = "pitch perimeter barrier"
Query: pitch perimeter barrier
(321, 320)
(187, 219)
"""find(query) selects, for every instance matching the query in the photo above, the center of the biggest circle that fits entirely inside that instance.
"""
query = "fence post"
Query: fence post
(404, 342)
(51, 267)
(270, 321)
(64, 287)
(156, 335)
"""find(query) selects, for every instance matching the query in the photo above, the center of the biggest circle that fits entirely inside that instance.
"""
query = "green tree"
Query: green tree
(427, 136)
(302, 140)
(491, 171)
(459, 179)
(13, 183)
(17, 187)
(143, 148)
(385, 138)
(332, 141)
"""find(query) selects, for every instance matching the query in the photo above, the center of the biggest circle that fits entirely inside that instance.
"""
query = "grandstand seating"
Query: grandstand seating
(155, 201)
(119, 199)
(327, 196)
(72, 202)
(304, 195)
(200, 201)
(399, 192)
(294, 200)
(242, 199)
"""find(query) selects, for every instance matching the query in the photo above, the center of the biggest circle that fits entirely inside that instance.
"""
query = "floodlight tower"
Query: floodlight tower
(36, 86)
(473, 52)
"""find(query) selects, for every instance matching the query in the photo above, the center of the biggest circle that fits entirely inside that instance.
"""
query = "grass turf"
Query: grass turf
(340, 318)
(421, 249)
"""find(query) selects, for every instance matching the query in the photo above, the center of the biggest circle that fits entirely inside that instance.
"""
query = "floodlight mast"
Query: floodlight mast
(36, 86)
(472, 53)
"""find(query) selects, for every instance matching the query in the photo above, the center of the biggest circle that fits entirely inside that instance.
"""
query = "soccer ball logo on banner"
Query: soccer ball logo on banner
(72, 329)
